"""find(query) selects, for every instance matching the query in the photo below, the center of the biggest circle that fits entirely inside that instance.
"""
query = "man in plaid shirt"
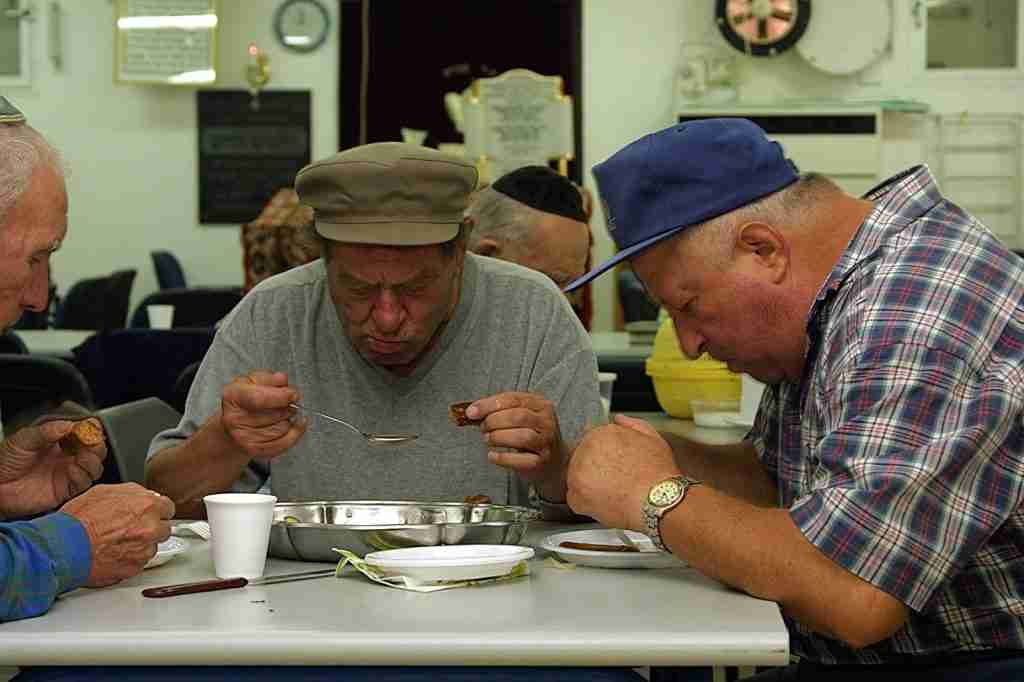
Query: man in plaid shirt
(878, 496)
(107, 533)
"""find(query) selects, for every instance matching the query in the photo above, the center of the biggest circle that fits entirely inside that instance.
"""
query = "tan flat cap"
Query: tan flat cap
(388, 193)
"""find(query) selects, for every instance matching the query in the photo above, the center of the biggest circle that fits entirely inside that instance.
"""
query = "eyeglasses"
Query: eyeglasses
(9, 114)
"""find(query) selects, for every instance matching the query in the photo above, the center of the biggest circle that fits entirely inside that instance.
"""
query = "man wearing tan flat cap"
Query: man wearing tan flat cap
(392, 325)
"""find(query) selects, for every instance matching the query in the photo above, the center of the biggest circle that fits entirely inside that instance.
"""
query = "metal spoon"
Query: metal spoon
(378, 438)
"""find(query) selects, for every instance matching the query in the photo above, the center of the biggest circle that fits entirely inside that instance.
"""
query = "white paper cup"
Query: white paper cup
(240, 532)
(161, 316)
(605, 383)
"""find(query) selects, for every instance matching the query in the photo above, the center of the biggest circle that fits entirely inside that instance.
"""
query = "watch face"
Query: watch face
(665, 493)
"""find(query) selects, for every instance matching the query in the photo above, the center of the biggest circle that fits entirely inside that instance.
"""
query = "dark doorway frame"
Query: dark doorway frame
(350, 55)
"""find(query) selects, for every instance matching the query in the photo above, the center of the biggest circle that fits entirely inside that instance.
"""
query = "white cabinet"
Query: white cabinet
(857, 146)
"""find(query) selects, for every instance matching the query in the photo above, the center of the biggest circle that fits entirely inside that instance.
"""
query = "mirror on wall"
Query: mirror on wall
(973, 34)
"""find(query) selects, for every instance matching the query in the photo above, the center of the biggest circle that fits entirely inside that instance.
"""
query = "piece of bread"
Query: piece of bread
(592, 547)
(477, 499)
(457, 413)
(85, 433)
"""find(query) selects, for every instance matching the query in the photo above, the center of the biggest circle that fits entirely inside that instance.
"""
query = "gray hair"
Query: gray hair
(790, 206)
(22, 150)
(499, 217)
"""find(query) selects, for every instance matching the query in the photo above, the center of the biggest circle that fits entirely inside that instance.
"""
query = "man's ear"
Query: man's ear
(488, 247)
(767, 247)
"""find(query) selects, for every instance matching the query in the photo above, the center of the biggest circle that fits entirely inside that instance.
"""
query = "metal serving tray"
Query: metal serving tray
(308, 531)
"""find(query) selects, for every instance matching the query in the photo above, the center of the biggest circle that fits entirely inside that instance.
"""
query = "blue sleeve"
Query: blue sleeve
(40, 559)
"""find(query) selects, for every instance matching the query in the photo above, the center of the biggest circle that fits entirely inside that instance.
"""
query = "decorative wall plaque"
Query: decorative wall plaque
(166, 42)
(516, 119)
(246, 155)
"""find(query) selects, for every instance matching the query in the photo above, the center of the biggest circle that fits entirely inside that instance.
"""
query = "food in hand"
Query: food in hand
(594, 547)
(477, 499)
(86, 433)
(457, 412)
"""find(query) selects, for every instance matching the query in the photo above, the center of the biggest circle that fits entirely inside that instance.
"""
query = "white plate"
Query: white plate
(449, 562)
(167, 550)
(605, 536)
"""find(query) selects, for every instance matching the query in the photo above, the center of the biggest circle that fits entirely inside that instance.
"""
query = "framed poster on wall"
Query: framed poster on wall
(165, 42)
(247, 154)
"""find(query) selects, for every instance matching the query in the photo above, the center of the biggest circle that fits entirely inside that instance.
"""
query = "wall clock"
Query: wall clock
(762, 28)
(301, 25)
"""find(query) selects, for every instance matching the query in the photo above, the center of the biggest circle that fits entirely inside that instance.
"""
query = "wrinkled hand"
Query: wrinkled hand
(527, 424)
(256, 415)
(612, 469)
(124, 524)
(37, 474)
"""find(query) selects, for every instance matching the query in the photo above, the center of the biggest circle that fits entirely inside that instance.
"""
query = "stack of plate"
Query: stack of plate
(641, 332)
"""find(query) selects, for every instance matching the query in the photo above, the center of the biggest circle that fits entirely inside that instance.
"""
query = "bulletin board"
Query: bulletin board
(165, 42)
(246, 153)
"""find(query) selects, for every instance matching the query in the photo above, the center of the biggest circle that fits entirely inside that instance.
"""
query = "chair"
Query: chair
(634, 390)
(193, 306)
(636, 304)
(32, 385)
(130, 429)
(10, 342)
(169, 274)
(182, 385)
(97, 302)
(122, 365)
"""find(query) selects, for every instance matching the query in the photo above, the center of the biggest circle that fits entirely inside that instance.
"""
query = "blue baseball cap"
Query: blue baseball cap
(681, 176)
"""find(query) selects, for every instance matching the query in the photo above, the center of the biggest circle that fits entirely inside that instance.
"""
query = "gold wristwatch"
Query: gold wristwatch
(662, 497)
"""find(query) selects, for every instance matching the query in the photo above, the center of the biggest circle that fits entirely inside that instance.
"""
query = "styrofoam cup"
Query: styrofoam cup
(605, 384)
(240, 532)
(161, 315)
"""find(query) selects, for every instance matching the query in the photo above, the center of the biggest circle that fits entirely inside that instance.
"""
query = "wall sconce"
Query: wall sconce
(257, 74)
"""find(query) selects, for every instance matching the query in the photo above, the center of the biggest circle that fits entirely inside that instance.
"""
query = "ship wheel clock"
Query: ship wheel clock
(762, 28)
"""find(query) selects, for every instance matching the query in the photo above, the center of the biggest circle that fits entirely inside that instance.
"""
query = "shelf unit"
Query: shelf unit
(977, 159)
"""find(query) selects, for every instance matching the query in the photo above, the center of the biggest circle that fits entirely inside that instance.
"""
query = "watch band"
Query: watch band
(554, 511)
(653, 513)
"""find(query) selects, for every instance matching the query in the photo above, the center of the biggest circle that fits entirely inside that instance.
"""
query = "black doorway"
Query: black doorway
(417, 51)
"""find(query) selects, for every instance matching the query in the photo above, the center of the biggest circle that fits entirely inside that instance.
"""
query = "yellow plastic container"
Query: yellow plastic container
(678, 380)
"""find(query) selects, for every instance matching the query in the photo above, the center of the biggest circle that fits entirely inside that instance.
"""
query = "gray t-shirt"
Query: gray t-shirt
(512, 330)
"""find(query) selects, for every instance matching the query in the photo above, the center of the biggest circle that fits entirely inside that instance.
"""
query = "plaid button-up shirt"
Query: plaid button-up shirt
(900, 454)
(39, 560)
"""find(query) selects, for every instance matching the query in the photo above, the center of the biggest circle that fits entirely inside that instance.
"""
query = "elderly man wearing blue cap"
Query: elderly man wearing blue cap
(878, 497)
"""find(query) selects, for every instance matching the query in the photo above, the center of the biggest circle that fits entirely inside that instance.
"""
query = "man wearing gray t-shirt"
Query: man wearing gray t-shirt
(393, 324)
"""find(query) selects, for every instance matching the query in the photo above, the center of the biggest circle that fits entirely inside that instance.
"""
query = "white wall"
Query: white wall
(630, 50)
(132, 149)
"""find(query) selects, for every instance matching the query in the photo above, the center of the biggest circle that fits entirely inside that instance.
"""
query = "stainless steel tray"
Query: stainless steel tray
(308, 531)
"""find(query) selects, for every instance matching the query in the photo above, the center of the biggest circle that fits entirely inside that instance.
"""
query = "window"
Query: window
(973, 34)
(15, 22)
